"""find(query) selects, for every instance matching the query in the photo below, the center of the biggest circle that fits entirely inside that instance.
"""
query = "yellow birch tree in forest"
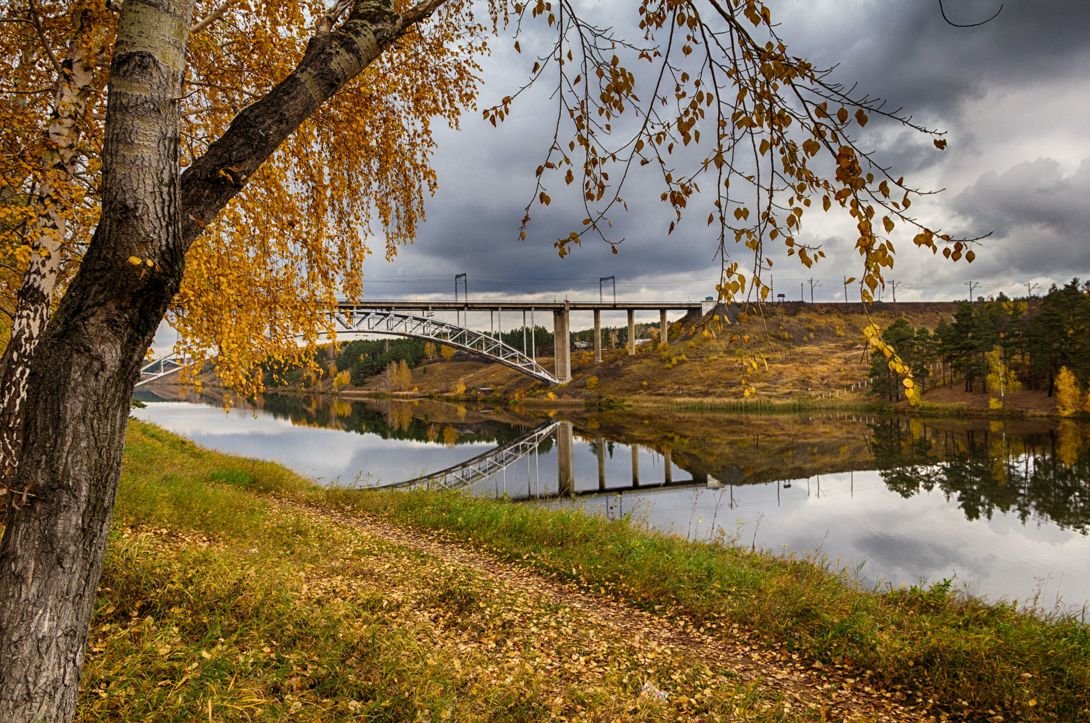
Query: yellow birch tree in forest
(1000, 380)
(1068, 394)
(246, 155)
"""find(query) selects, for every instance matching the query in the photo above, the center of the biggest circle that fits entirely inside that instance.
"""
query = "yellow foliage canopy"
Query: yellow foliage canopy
(295, 238)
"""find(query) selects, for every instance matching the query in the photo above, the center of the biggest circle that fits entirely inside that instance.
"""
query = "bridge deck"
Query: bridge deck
(515, 305)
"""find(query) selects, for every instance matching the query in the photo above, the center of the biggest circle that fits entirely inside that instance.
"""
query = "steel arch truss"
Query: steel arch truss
(163, 367)
(399, 323)
(482, 466)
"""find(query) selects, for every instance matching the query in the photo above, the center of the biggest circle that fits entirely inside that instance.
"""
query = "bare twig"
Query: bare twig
(36, 21)
(942, 9)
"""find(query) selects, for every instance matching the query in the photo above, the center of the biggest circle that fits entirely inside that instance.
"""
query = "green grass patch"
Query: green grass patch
(967, 654)
(215, 603)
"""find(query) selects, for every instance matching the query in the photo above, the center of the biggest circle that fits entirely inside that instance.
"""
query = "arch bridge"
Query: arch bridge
(420, 326)
(416, 319)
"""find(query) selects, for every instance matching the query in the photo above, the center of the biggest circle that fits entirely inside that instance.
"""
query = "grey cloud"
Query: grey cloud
(902, 51)
(906, 53)
(1038, 214)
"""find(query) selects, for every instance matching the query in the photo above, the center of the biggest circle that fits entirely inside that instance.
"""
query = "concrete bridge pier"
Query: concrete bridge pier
(668, 462)
(564, 476)
(635, 466)
(601, 445)
(664, 327)
(597, 336)
(631, 332)
(562, 344)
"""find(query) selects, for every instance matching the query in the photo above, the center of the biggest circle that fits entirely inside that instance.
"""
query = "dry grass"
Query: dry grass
(802, 352)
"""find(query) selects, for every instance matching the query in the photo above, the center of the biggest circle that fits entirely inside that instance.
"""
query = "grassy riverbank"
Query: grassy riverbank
(965, 654)
(234, 588)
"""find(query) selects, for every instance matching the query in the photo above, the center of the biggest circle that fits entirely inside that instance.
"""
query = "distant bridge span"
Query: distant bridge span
(415, 319)
(561, 311)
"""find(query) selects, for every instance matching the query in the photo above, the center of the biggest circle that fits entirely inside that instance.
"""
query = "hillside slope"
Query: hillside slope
(780, 352)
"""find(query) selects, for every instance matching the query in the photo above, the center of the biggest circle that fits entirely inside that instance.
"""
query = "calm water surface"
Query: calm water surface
(1001, 509)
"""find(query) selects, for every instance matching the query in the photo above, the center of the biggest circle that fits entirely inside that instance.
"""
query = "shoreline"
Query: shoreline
(680, 403)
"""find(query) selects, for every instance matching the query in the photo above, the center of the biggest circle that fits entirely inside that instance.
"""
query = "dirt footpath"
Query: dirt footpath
(595, 648)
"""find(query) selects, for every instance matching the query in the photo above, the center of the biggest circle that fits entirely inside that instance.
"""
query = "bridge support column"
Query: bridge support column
(562, 344)
(564, 476)
(597, 336)
(668, 463)
(664, 327)
(631, 332)
(635, 466)
(601, 445)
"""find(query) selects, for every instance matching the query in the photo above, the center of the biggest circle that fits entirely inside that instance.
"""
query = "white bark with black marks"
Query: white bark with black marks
(46, 236)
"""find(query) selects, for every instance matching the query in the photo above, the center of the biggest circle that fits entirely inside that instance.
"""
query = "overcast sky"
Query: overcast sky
(1014, 96)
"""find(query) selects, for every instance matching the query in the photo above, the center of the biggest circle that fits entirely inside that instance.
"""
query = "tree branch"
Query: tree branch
(212, 17)
(36, 21)
(942, 9)
(330, 61)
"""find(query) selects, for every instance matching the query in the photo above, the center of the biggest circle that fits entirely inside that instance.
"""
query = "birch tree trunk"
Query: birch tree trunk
(83, 371)
(54, 199)
(88, 360)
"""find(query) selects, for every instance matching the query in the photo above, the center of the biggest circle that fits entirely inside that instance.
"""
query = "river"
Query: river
(1000, 509)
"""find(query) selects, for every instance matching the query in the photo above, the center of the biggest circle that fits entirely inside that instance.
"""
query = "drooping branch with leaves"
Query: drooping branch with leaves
(732, 125)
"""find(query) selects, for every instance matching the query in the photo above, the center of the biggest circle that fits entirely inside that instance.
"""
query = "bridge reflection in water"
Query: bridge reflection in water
(495, 464)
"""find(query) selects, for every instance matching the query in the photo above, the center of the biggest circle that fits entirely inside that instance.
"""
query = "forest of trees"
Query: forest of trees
(999, 346)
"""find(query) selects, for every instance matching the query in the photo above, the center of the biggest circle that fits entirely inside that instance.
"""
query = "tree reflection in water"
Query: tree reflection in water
(1036, 475)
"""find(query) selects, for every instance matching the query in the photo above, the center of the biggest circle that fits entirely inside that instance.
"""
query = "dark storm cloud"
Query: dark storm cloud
(481, 239)
(907, 53)
(903, 51)
(486, 178)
